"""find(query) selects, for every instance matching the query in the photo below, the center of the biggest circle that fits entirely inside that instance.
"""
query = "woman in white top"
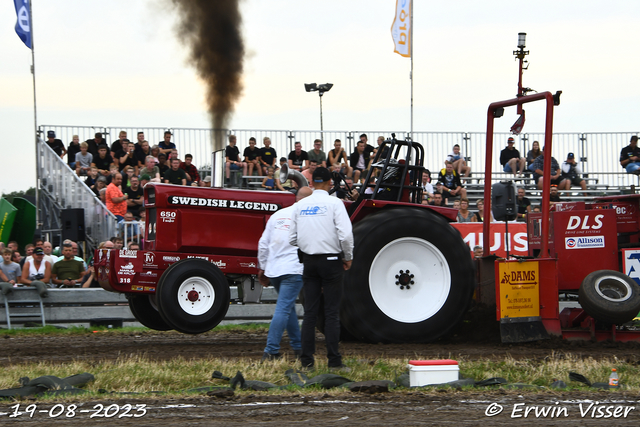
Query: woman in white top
(37, 269)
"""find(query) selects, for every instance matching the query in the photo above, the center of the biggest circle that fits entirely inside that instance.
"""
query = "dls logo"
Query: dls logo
(583, 223)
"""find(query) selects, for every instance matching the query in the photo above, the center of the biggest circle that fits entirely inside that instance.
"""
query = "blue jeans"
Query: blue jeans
(632, 167)
(288, 287)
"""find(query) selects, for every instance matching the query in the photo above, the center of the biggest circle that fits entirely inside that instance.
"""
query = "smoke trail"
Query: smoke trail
(212, 30)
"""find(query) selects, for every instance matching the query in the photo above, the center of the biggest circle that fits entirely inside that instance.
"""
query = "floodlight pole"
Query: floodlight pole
(320, 93)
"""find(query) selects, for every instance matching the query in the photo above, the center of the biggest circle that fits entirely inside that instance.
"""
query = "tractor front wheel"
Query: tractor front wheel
(145, 311)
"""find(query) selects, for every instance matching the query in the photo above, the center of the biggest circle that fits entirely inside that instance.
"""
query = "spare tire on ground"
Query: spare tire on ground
(610, 296)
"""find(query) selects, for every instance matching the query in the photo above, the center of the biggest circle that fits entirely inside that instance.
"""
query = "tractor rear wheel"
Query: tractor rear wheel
(193, 296)
(145, 311)
(610, 296)
(411, 280)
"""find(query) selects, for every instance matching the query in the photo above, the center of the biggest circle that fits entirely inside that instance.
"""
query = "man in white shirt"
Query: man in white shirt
(321, 228)
(279, 265)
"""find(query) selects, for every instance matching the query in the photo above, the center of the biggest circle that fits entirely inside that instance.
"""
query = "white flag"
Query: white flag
(401, 28)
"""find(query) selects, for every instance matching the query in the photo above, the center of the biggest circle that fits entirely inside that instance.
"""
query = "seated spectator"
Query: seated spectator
(113, 170)
(251, 156)
(437, 200)
(337, 159)
(83, 160)
(155, 152)
(308, 173)
(115, 200)
(127, 174)
(459, 163)
(140, 139)
(532, 155)
(271, 183)
(359, 159)
(232, 159)
(102, 195)
(554, 196)
(384, 152)
(173, 155)
(268, 156)
(192, 172)
(95, 143)
(536, 209)
(134, 246)
(144, 178)
(166, 145)
(206, 182)
(55, 144)
(13, 245)
(175, 175)
(298, 158)
(524, 205)
(68, 271)
(117, 144)
(72, 150)
(427, 188)
(477, 251)
(142, 152)
(511, 160)
(100, 184)
(556, 173)
(479, 215)
(48, 252)
(464, 214)
(11, 271)
(134, 195)
(16, 257)
(126, 157)
(75, 252)
(571, 173)
(36, 270)
(317, 154)
(151, 169)
(142, 221)
(129, 229)
(103, 161)
(118, 243)
(456, 205)
(630, 156)
(28, 251)
(163, 164)
(449, 183)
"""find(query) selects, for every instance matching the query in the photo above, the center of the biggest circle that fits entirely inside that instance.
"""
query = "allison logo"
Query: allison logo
(168, 258)
(584, 242)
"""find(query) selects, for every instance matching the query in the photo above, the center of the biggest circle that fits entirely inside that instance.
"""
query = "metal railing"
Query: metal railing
(59, 182)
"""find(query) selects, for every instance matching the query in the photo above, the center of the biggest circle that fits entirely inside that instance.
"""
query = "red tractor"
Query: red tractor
(412, 277)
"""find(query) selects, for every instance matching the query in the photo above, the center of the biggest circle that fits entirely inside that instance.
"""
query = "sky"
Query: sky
(119, 63)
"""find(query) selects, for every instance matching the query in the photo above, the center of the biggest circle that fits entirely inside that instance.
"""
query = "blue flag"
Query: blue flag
(23, 24)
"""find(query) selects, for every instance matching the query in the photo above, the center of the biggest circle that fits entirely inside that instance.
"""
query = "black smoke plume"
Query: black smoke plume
(212, 30)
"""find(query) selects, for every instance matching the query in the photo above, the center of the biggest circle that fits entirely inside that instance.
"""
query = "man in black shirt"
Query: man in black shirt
(126, 157)
(251, 154)
(102, 161)
(117, 144)
(267, 156)
(298, 158)
(175, 175)
(524, 205)
(449, 183)
(359, 159)
(630, 156)
(511, 160)
(134, 197)
(96, 142)
(232, 158)
(55, 144)
(72, 150)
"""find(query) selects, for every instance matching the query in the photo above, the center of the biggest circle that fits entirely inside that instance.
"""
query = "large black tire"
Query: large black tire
(399, 247)
(145, 312)
(610, 296)
(193, 296)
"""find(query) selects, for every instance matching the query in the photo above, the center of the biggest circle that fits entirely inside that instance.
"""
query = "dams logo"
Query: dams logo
(519, 278)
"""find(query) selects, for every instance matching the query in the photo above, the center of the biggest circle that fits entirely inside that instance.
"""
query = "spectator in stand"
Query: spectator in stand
(536, 209)
(155, 152)
(102, 194)
(368, 147)
(359, 159)
(289, 184)
(479, 216)
(206, 182)
(142, 221)
(12, 273)
(477, 251)
(74, 251)
(118, 243)
(72, 150)
(13, 245)
(175, 175)
(192, 172)
(166, 145)
(117, 144)
(103, 161)
(36, 270)
(83, 160)
(450, 184)
(16, 257)
(554, 196)
(459, 163)
(48, 252)
(28, 251)
(55, 144)
(532, 155)
(127, 174)
(308, 173)
(456, 205)
(142, 152)
(437, 200)
(163, 164)
(571, 173)
(114, 199)
(270, 182)
(68, 271)
(337, 159)
(630, 156)
(101, 184)
(268, 156)
(113, 169)
(384, 152)
(232, 159)
(151, 169)
(134, 196)
(129, 228)
(524, 205)
(251, 156)
(427, 188)
(317, 154)
(556, 173)
(511, 160)
(144, 178)
(464, 215)
(95, 143)
(126, 157)
(298, 158)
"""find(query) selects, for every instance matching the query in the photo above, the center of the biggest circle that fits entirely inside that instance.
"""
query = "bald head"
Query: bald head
(303, 192)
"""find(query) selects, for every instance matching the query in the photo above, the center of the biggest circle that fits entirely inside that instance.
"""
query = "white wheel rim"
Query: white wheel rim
(196, 296)
(431, 276)
(613, 283)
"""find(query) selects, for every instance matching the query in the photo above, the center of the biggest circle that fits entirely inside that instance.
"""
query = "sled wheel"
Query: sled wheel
(610, 296)
(411, 280)
(145, 311)
(193, 296)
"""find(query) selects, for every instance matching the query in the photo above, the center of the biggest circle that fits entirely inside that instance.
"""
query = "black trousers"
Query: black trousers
(322, 278)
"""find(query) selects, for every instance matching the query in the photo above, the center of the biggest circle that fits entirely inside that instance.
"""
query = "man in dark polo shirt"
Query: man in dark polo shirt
(268, 156)
(175, 175)
(56, 144)
(68, 271)
(134, 196)
(251, 157)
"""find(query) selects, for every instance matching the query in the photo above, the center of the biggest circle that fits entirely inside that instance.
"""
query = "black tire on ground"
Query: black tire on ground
(145, 312)
(610, 296)
(399, 247)
(193, 296)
